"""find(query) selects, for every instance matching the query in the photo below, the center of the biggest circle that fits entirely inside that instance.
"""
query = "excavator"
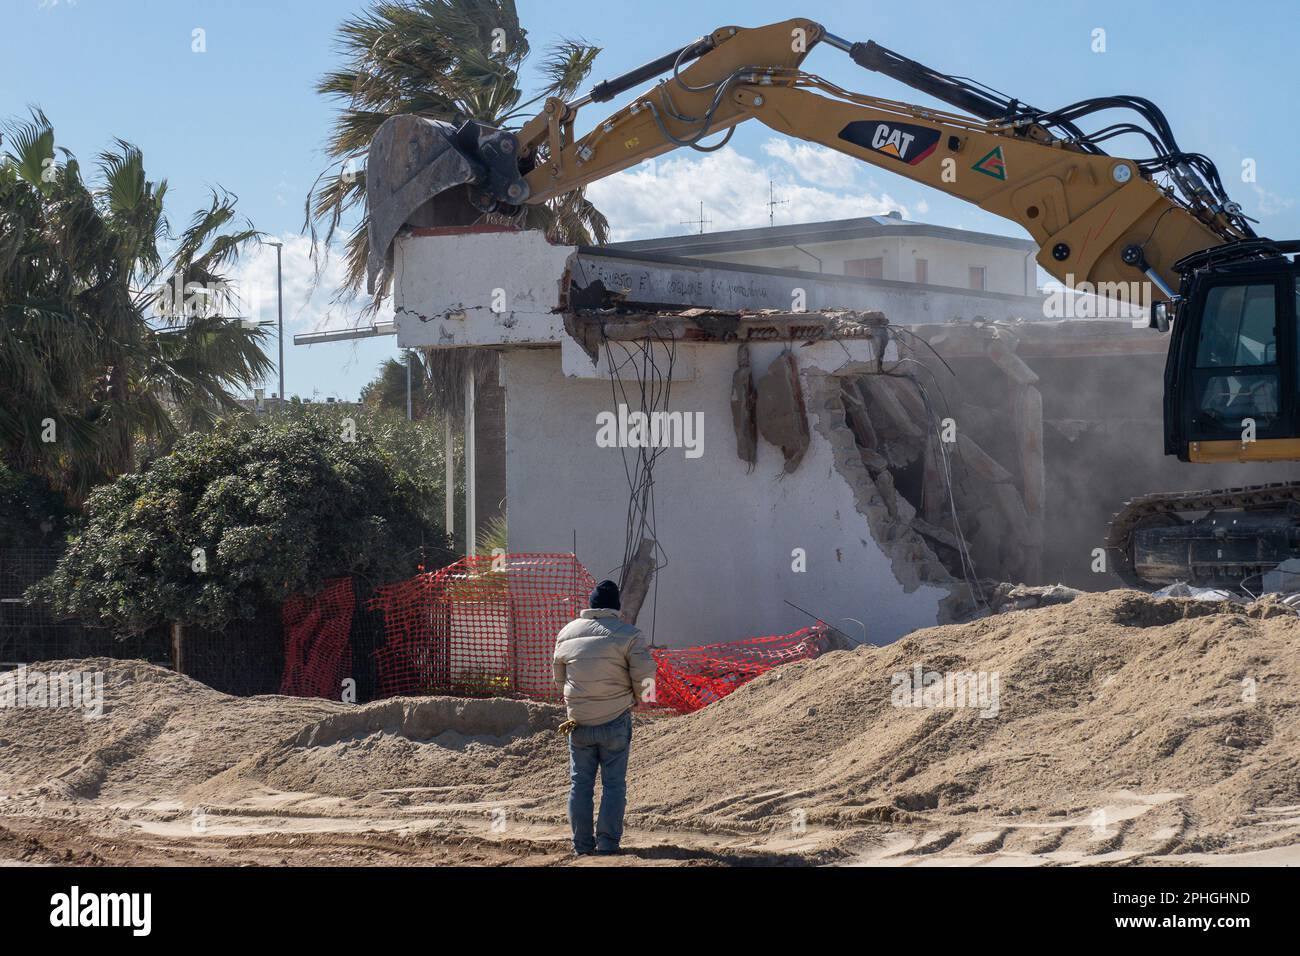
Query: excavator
(1226, 298)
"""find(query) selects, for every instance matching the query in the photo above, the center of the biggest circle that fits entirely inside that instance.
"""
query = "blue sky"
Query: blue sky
(243, 113)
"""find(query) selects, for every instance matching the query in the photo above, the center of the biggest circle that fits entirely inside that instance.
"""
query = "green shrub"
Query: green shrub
(243, 516)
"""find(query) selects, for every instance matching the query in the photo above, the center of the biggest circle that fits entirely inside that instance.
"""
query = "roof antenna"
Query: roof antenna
(701, 222)
(772, 203)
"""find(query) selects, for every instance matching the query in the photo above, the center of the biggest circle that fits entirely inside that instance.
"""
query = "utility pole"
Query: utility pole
(449, 476)
(701, 222)
(772, 203)
(279, 307)
(409, 355)
(471, 518)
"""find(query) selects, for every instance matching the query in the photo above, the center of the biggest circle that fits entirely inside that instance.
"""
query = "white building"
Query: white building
(858, 533)
(743, 545)
(875, 247)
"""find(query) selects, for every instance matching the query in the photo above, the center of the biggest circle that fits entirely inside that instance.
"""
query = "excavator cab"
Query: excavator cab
(1232, 381)
(1232, 393)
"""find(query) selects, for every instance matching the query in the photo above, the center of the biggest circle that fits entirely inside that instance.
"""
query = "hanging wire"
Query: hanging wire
(650, 395)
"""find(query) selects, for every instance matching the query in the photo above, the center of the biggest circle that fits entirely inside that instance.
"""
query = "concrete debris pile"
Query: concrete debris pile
(943, 507)
(1001, 597)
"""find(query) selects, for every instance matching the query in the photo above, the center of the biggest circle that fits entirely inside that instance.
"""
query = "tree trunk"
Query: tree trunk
(178, 648)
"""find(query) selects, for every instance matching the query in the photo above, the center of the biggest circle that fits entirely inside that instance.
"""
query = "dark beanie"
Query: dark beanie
(605, 595)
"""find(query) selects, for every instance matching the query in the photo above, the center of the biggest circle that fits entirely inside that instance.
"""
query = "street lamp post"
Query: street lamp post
(279, 308)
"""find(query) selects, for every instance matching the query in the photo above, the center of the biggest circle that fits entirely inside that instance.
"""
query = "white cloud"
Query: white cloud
(308, 304)
(659, 196)
(1270, 203)
(815, 164)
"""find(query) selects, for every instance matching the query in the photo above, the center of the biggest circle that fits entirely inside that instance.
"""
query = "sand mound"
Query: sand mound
(159, 734)
(1177, 704)
(433, 743)
(1170, 720)
(163, 736)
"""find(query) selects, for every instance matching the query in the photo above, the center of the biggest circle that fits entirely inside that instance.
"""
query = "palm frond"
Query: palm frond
(450, 60)
(567, 64)
(33, 148)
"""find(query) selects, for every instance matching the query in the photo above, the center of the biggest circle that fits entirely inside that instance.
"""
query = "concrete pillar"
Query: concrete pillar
(489, 451)
(471, 522)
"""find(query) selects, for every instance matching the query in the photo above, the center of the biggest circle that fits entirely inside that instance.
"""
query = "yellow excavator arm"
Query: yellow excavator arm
(1081, 209)
(1097, 219)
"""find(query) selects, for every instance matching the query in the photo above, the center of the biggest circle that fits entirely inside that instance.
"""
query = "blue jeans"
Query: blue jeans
(605, 746)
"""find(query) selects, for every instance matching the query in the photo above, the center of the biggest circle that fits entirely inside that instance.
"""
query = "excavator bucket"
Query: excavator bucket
(424, 172)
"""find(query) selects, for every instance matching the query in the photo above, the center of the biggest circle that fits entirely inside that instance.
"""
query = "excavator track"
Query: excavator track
(1147, 509)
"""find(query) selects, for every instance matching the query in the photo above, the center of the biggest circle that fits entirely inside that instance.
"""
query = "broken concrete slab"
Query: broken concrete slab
(744, 413)
(855, 407)
(782, 418)
(887, 410)
(489, 289)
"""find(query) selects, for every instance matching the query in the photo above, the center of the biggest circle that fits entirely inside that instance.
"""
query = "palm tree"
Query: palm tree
(84, 373)
(438, 391)
(388, 388)
(449, 60)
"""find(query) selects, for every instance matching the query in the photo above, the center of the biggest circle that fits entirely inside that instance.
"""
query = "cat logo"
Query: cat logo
(904, 142)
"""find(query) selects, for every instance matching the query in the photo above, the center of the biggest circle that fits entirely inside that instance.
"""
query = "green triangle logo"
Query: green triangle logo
(993, 164)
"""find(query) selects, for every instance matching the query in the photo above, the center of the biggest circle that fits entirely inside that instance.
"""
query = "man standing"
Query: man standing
(603, 668)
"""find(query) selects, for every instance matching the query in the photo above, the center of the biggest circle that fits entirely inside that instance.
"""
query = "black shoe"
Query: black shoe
(614, 852)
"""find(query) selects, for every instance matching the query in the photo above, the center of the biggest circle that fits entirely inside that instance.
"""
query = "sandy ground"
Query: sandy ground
(1124, 730)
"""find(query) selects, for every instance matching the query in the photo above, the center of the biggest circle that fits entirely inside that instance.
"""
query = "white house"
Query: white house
(875, 247)
(747, 549)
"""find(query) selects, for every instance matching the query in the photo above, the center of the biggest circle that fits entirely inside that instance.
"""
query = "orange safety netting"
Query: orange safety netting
(484, 626)
(688, 678)
(317, 651)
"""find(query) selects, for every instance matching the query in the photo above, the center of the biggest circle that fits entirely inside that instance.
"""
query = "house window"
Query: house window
(977, 278)
(865, 268)
(922, 271)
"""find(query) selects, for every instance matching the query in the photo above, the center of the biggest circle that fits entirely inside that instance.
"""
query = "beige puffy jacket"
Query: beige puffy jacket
(602, 666)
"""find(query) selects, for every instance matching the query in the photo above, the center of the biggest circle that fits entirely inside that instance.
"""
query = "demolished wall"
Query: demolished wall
(899, 530)
(738, 544)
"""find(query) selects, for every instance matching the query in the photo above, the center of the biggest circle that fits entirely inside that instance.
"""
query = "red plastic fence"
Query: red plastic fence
(317, 653)
(484, 626)
(689, 678)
